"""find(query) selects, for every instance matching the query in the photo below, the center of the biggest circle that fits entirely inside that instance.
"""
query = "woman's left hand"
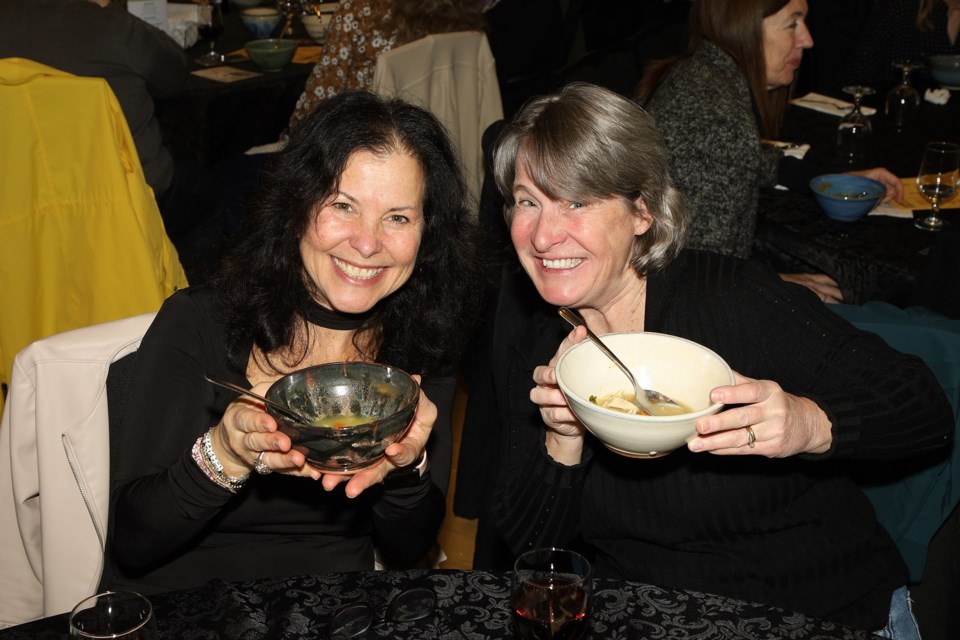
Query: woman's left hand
(402, 453)
(781, 424)
(891, 182)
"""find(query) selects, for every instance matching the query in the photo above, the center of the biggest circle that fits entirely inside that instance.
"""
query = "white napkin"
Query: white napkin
(937, 96)
(889, 209)
(826, 104)
(182, 19)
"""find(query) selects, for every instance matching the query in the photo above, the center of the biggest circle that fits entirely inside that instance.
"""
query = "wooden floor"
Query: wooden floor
(457, 535)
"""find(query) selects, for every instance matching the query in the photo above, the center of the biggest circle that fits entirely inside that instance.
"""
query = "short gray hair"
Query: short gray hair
(587, 142)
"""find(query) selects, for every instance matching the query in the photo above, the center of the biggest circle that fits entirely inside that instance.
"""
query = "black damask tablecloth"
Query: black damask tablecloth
(471, 605)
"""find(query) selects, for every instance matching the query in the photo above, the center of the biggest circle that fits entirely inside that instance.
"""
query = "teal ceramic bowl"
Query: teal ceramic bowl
(261, 21)
(352, 412)
(945, 69)
(846, 197)
(271, 54)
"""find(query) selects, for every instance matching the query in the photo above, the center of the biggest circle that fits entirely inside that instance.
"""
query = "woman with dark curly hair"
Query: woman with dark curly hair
(357, 247)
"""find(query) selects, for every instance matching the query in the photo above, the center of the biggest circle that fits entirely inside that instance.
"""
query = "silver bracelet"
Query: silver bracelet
(211, 466)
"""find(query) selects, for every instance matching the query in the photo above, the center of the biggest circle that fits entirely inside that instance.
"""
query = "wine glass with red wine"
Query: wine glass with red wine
(550, 595)
(210, 28)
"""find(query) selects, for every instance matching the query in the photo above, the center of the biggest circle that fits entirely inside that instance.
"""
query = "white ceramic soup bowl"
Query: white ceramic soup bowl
(683, 370)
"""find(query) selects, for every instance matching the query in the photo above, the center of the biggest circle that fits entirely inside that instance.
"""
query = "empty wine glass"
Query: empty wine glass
(938, 180)
(550, 594)
(119, 615)
(903, 101)
(854, 127)
(210, 27)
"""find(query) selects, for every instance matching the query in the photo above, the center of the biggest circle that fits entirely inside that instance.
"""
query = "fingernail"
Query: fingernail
(695, 445)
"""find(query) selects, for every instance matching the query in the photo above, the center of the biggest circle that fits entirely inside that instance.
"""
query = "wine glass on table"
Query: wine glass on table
(903, 101)
(210, 28)
(550, 594)
(119, 615)
(854, 128)
(938, 180)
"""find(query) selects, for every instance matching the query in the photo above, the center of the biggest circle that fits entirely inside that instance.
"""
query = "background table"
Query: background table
(471, 605)
(208, 121)
(876, 258)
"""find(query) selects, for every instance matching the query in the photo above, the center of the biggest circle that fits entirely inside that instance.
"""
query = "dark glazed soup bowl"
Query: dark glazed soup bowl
(352, 410)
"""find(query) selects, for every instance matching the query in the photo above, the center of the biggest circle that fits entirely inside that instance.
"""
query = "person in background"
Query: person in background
(141, 63)
(900, 31)
(757, 507)
(715, 104)
(363, 29)
(358, 246)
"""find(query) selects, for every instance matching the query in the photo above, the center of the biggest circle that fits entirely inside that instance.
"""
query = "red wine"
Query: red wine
(542, 613)
(210, 31)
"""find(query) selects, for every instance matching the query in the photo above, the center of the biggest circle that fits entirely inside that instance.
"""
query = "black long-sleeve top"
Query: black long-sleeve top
(172, 528)
(795, 533)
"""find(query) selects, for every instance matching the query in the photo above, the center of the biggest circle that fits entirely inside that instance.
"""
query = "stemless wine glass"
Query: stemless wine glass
(210, 28)
(854, 127)
(120, 615)
(903, 101)
(938, 180)
(550, 594)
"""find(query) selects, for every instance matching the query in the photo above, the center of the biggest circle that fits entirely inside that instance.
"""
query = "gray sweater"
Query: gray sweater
(704, 112)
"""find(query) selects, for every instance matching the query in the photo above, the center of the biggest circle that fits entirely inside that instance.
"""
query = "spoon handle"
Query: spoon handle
(574, 318)
(247, 392)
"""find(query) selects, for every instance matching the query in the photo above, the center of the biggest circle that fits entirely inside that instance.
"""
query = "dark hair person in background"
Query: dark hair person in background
(757, 507)
(901, 31)
(714, 104)
(357, 247)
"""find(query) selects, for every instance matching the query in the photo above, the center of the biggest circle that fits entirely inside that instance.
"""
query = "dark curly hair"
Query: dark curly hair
(262, 287)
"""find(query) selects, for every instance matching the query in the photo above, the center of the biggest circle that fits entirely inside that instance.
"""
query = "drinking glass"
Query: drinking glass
(903, 101)
(120, 615)
(291, 9)
(938, 180)
(550, 594)
(854, 127)
(210, 28)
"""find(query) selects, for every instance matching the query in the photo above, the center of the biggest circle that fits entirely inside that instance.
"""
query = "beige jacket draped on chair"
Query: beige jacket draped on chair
(454, 76)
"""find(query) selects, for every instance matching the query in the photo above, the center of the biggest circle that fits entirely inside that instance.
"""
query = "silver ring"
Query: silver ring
(751, 439)
(261, 467)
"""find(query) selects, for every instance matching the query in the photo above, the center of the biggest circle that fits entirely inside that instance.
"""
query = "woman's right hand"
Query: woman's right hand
(247, 430)
(564, 438)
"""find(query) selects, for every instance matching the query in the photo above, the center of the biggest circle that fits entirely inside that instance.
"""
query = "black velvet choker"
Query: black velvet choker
(328, 318)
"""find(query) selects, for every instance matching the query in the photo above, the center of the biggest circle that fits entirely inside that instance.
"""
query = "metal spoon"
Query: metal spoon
(290, 414)
(645, 399)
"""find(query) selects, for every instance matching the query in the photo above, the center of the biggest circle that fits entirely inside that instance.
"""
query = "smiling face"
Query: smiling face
(785, 36)
(577, 253)
(362, 244)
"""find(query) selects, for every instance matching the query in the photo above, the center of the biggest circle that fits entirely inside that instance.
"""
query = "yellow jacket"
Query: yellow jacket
(81, 238)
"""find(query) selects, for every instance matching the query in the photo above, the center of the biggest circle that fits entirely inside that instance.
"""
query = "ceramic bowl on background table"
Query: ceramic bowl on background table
(353, 411)
(271, 54)
(945, 69)
(261, 21)
(682, 369)
(317, 26)
(846, 197)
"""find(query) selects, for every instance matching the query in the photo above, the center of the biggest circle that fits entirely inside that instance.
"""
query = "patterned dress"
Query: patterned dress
(357, 35)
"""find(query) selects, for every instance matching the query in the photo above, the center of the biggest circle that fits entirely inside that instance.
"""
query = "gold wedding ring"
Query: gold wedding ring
(751, 438)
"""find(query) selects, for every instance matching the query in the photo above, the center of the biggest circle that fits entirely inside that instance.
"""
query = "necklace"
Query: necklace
(329, 319)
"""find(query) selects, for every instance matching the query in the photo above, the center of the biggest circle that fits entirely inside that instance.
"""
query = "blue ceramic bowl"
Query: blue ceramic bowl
(261, 21)
(271, 54)
(846, 197)
(945, 69)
